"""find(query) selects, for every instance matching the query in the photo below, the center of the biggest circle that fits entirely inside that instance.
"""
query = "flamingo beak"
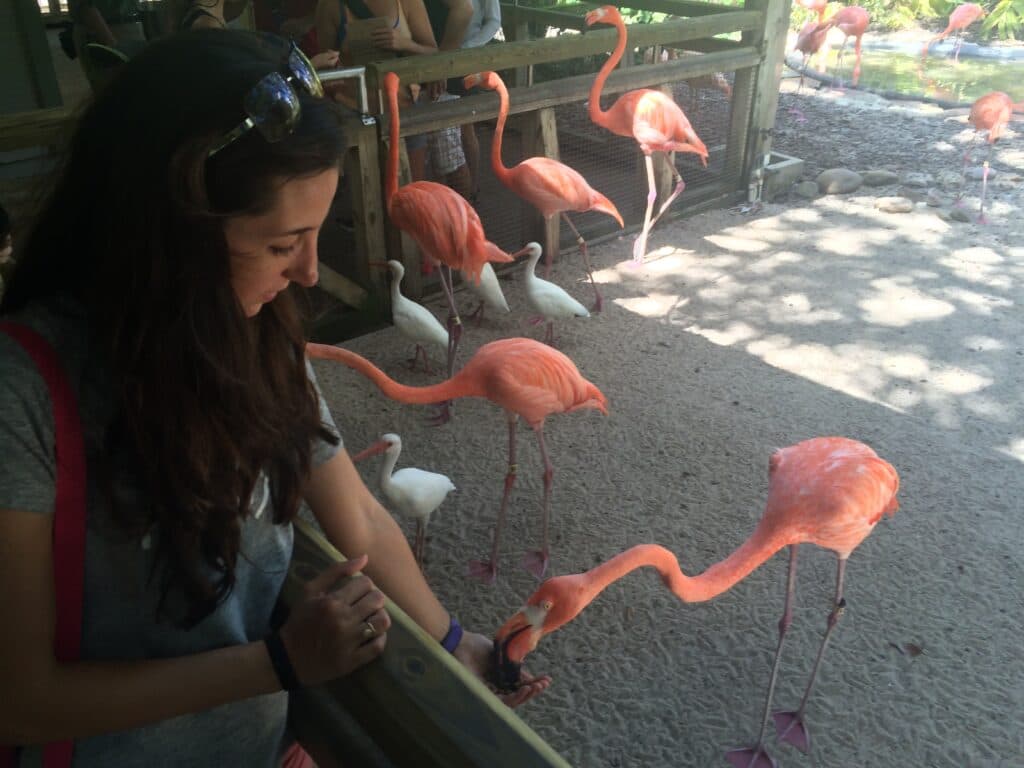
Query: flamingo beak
(516, 638)
(379, 447)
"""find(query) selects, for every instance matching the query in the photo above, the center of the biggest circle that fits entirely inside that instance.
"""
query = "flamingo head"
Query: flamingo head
(606, 14)
(389, 443)
(555, 603)
(480, 80)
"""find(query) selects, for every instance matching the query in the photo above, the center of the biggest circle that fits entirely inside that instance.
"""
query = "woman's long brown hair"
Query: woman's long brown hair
(206, 398)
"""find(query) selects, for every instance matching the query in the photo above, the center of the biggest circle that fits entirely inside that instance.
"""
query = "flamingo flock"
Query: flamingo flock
(827, 491)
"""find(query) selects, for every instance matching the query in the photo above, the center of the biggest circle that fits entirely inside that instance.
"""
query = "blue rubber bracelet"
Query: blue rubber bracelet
(454, 637)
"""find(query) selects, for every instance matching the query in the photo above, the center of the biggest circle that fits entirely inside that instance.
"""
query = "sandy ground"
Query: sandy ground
(745, 332)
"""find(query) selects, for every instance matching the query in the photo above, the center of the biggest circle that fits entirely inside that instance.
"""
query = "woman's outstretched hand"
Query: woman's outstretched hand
(475, 653)
(337, 627)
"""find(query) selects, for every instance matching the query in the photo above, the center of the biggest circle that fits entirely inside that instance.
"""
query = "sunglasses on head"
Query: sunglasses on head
(272, 105)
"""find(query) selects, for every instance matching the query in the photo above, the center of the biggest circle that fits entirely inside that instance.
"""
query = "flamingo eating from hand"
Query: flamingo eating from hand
(414, 321)
(523, 377)
(960, 19)
(546, 298)
(853, 22)
(828, 491)
(551, 187)
(652, 118)
(411, 492)
(444, 225)
(989, 113)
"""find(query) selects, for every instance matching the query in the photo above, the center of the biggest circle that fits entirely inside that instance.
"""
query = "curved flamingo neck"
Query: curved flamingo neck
(391, 175)
(717, 579)
(499, 130)
(460, 385)
(596, 115)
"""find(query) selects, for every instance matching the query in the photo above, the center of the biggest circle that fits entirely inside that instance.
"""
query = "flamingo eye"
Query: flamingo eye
(547, 605)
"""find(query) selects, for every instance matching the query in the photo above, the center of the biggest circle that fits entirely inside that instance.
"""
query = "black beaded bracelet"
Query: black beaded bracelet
(282, 664)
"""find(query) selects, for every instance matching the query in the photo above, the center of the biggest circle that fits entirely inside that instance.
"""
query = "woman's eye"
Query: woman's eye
(282, 250)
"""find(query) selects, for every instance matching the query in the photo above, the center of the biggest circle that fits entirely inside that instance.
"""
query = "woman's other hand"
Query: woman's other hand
(325, 60)
(475, 654)
(328, 634)
(389, 39)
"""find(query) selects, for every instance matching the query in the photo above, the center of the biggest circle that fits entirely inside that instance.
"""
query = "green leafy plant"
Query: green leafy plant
(1007, 19)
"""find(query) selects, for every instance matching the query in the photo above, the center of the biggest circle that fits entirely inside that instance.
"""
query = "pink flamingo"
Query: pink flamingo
(444, 225)
(852, 21)
(548, 185)
(809, 42)
(522, 376)
(989, 113)
(652, 118)
(960, 19)
(816, 6)
(829, 491)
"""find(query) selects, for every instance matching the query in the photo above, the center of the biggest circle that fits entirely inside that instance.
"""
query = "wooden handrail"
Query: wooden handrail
(418, 704)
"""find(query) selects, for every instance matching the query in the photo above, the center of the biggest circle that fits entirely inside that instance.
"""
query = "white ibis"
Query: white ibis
(546, 298)
(413, 493)
(488, 291)
(414, 321)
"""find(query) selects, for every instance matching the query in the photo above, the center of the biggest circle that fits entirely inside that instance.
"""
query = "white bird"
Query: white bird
(414, 321)
(488, 291)
(546, 298)
(411, 492)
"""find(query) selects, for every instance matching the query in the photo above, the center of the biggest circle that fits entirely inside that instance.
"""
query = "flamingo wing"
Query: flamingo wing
(551, 186)
(443, 224)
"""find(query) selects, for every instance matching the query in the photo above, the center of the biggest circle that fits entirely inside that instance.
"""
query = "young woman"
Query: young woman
(159, 269)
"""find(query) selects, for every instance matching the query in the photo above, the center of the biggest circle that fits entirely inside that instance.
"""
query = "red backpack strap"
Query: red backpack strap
(68, 518)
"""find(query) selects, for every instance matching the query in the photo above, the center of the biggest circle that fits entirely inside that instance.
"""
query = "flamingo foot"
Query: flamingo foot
(484, 570)
(639, 249)
(790, 727)
(982, 219)
(442, 416)
(751, 757)
(536, 562)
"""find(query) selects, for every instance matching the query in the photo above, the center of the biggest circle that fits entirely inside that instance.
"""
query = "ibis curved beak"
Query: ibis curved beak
(379, 447)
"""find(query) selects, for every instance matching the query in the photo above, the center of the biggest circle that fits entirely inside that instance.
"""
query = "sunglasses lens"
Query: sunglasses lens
(302, 69)
(273, 107)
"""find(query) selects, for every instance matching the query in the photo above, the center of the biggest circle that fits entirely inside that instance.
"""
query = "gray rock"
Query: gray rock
(959, 214)
(808, 189)
(839, 181)
(950, 180)
(975, 173)
(918, 179)
(894, 204)
(935, 198)
(880, 178)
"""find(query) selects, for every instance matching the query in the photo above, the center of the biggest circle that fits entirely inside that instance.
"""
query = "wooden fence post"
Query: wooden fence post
(771, 39)
(363, 174)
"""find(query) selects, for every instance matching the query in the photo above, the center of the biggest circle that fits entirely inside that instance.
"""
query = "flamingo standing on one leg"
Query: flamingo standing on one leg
(522, 376)
(652, 118)
(411, 492)
(989, 113)
(414, 321)
(829, 491)
(960, 19)
(444, 225)
(548, 185)
(546, 298)
(853, 22)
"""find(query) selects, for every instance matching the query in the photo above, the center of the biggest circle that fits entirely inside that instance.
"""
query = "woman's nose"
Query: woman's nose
(304, 269)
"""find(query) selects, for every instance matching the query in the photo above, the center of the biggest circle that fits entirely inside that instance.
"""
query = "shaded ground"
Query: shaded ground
(744, 333)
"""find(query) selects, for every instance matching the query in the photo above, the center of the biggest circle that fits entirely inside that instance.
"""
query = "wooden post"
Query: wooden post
(771, 39)
(520, 29)
(540, 138)
(363, 175)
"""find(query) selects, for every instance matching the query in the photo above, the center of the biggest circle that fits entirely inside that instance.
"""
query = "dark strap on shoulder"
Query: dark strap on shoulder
(68, 518)
(192, 14)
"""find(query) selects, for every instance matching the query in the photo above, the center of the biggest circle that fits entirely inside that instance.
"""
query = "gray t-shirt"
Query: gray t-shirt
(119, 618)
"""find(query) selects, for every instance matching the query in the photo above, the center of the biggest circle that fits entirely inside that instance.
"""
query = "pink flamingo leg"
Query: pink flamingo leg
(984, 185)
(757, 756)
(537, 562)
(640, 245)
(487, 571)
(856, 64)
(598, 301)
(790, 725)
(680, 186)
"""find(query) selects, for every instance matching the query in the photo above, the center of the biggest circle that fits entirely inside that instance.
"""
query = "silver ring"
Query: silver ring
(368, 631)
